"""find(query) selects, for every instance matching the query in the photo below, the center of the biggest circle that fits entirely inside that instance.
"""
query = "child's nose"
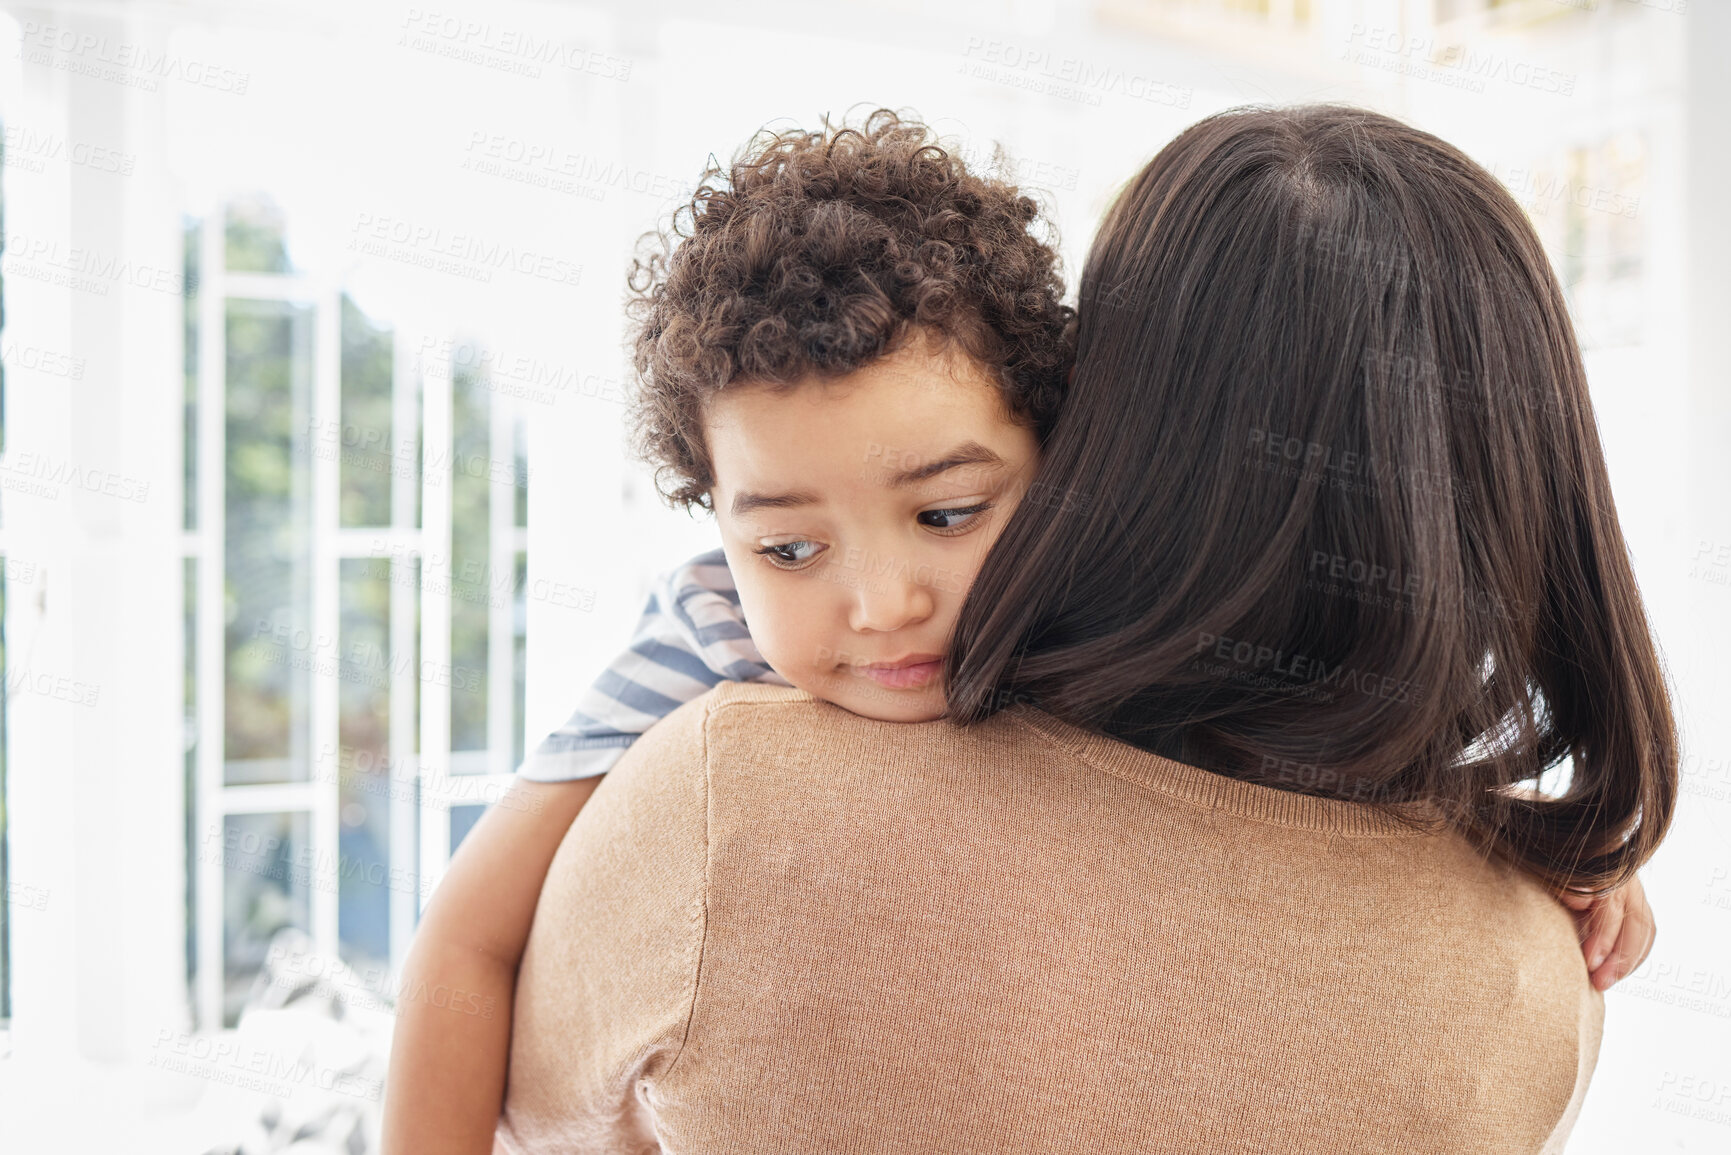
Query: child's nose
(884, 604)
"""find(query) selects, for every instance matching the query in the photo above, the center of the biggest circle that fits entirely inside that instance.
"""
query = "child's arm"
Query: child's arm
(1616, 929)
(445, 1085)
(446, 1080)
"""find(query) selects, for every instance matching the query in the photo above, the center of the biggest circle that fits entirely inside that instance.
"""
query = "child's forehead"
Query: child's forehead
(891, 438)
(906, 390)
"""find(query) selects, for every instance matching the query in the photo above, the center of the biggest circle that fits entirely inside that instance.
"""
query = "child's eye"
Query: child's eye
(787, 555)
(953, 519)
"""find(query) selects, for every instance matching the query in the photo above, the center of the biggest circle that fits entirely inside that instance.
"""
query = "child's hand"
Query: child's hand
(1616, 931)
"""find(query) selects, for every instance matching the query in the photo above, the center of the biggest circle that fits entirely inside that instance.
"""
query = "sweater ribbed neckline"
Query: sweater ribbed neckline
(1213, 791)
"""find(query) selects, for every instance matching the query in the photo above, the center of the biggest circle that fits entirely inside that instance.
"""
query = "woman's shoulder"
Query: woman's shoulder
(752, 734)
(763, 730)
(744, 715)
(744, 719)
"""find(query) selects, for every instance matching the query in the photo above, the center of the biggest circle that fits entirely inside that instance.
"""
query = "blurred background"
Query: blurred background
(315, 509)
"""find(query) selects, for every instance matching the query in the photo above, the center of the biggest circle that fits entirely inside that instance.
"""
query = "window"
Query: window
(354, 557)
(1585, 201)
(1603, 242)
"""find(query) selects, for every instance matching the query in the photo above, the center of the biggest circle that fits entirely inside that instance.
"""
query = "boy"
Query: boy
(850, 355)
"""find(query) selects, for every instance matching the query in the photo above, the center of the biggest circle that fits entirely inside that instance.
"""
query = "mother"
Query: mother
(1238, 848)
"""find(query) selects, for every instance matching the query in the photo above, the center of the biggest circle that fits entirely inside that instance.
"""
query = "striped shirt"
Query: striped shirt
(692, 637)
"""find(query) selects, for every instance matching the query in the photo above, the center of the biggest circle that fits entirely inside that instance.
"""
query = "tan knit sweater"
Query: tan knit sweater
(779, 927)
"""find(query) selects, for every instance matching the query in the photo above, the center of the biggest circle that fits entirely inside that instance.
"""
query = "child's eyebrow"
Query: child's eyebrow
(967, 453)
(744, 503)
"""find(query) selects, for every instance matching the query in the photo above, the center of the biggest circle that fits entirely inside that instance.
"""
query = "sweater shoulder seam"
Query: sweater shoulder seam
(701, 906)
(1196, 803)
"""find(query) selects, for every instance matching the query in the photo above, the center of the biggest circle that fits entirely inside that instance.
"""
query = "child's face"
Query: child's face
(869, 542)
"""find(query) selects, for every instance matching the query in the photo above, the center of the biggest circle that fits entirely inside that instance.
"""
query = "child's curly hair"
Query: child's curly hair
(815, 253)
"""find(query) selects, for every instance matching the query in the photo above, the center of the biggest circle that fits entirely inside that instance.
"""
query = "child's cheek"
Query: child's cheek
(783, 640)
(763, 616)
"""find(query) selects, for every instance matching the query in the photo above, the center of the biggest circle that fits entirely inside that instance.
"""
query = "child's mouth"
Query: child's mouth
(903, 677)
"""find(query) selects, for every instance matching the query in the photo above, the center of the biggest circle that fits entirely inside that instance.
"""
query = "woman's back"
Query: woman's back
(798, 929)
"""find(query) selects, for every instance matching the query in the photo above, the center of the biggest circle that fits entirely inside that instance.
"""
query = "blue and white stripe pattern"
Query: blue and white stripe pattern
(692, 636)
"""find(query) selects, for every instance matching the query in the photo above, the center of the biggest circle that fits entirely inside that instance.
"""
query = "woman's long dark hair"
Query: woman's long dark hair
(1326, 508)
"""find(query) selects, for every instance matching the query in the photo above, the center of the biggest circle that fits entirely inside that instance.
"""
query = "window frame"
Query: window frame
(422, 772)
